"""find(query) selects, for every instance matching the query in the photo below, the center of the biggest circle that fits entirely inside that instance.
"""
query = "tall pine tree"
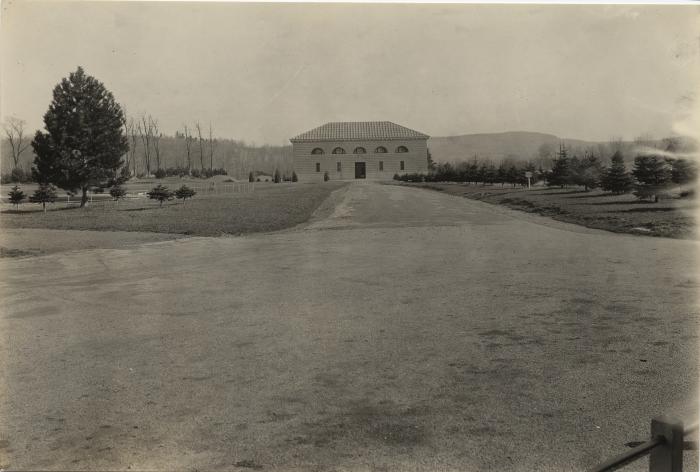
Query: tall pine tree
(653, 175)
(560, 174)
(586, 172)
(84, 140)
(615, 178)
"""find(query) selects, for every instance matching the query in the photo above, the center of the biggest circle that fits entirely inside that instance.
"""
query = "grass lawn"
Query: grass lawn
(269, 207)
(672, 218)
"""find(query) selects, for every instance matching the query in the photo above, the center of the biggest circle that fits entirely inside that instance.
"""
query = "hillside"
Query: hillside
(540, 148)
(519, 145)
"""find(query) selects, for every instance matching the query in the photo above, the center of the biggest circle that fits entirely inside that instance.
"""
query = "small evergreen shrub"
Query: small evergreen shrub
(117, 193)
(46, 193)
(160, 193)
(184, 192)
(16, 196)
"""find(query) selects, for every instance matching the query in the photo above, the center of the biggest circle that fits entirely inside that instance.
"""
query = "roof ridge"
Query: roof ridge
(356, 130)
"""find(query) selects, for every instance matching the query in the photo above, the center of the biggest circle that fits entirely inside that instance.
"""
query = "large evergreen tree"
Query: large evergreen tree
(501, 174)
(586, 172)
(616, 179)
(513, 175)
(473, 172)
(653, 175)
(683, 171)
(84, 140)
(560, 174)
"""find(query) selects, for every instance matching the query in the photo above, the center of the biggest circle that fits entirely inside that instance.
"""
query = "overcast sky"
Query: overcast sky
(266, 72)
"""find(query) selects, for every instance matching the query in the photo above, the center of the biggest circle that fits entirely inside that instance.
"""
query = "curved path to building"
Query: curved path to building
(405, 330)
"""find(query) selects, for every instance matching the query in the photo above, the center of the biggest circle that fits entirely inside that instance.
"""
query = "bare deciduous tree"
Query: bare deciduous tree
(155, 137)
(14, 130)
(201, 144)
(212, 145)
(146, 133)
(134, 141)
(132, 135)
(188, 148)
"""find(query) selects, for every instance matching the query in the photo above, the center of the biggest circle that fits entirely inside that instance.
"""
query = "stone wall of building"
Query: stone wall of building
(305, 163)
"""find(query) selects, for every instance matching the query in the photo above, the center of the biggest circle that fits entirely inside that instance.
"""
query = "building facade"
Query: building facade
(359, 150)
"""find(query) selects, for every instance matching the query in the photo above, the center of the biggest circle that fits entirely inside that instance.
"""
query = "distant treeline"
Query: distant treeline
(541, 149)
(237, 158)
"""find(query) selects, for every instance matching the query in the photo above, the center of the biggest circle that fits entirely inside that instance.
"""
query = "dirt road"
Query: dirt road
(405, 330)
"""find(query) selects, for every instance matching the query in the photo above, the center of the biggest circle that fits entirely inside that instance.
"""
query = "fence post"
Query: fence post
(667, 457)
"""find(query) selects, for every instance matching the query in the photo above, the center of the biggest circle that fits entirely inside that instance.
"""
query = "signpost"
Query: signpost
(528, 174)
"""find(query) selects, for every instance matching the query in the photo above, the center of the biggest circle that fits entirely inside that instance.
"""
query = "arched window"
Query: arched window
(338, 150)
(380, 150)
(317, 151)
(402, 149)
(359, 150)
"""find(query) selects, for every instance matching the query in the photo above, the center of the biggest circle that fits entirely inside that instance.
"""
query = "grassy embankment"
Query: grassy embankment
(270, 207)
(594, 209)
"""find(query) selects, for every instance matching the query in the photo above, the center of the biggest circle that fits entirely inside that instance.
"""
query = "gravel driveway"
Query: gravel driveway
(402, 329)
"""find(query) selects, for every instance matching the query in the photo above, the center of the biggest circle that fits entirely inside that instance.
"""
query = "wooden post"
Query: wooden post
(667, 457)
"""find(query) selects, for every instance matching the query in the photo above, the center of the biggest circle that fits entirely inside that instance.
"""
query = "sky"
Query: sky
(264, 73)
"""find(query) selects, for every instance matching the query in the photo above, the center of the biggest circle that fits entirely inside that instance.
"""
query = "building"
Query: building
(359, 150)
(264, 178)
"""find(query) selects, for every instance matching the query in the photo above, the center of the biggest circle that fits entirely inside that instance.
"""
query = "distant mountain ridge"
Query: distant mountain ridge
(520, 145)
(539, 147)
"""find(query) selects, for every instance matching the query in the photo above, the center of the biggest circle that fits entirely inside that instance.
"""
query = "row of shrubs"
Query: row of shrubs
(47, 193)
(453, 177)
(276, 178)
(19, 175)
(475, 172)
(184, 172)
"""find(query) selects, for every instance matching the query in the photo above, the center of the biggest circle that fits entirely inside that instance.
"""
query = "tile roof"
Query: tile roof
(358, 130)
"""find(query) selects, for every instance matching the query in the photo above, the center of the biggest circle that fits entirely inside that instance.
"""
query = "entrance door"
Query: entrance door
(360, 172)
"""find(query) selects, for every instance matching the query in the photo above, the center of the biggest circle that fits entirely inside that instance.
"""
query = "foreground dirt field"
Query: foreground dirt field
(407, 330)
(37, 242)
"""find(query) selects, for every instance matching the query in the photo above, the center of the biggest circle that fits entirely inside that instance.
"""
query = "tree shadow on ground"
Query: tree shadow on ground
(590, 195)
(143, 208)
(37, 210)
(644, 210)
(557, 191)
(627, 202)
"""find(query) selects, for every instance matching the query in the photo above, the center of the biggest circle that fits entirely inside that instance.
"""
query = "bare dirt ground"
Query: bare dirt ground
(35, 242)
(406, 330)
